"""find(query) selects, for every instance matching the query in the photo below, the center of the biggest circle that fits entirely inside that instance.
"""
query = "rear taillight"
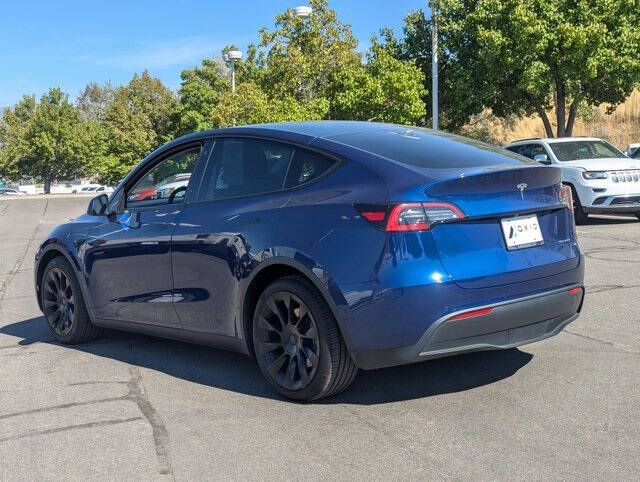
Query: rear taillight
(409, 216)
(565, 196)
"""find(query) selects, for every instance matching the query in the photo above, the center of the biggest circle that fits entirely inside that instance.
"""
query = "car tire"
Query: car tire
(63, 304)
(297, 343)
(579, 215)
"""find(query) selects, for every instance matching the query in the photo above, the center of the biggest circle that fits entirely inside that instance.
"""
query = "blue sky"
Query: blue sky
(70, 43)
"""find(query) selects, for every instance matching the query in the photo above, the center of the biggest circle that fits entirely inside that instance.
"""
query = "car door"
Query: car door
(128, 257)
(230, 228)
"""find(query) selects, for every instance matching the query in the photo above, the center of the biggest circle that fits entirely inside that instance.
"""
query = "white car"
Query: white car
(171, 184)
(603, 180)
(7, 191)
(633, 150)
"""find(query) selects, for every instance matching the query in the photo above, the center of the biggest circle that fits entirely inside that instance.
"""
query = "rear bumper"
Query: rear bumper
(509, 324)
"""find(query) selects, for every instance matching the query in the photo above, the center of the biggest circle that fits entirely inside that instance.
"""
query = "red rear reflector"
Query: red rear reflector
(575, 291)
(374, 215)
(472, 314)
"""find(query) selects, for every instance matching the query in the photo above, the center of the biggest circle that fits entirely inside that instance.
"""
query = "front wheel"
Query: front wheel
(63, 305)
(297, 343)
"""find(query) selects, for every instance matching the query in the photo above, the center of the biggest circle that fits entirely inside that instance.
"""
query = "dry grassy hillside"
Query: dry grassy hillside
(621, 127)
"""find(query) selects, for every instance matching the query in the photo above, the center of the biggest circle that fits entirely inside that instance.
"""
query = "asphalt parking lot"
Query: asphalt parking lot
(136, 407)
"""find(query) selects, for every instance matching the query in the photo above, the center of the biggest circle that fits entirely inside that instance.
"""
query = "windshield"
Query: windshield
(636, 154)
(574, 150)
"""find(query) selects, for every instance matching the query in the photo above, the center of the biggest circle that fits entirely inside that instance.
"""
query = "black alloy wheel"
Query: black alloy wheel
(63, 304)
(288, 340)
(59, 302)
(297, 342)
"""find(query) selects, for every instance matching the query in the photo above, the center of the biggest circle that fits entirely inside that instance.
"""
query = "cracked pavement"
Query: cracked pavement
(136, 407)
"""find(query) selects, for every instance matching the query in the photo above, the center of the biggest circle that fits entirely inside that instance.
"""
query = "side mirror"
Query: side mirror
(98, 205)
(542, 159)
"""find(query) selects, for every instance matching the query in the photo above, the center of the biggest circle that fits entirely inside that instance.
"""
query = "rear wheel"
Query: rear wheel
(578, 212)
(297, 342)
(63, 305)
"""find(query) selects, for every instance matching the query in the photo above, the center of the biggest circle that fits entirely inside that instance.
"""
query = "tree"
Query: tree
(136, 122)
(94, 100)
(251, 105)
(200, 91)
(302, 55)
(458, 101)
(46, 141)
(385, 89)
(527, 56)
(13, 125)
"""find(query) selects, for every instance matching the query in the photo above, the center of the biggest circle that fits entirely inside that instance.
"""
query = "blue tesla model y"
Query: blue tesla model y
(319, 248)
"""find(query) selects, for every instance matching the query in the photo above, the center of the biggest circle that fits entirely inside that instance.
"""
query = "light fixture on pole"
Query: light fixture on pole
(232, 56)
(302, 12)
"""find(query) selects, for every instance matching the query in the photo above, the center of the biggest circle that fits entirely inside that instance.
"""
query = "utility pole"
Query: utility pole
(434, 64)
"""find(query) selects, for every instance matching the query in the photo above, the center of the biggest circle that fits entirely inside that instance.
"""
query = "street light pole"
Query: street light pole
(232, 56)
(434, 65)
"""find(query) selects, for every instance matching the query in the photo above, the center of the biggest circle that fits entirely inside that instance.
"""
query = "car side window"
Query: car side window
(306, 166)
(243, 167)
(166, 182)
(516, 149)
(530, 150)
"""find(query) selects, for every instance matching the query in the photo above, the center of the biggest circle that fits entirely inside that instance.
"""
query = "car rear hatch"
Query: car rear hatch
(480, 251)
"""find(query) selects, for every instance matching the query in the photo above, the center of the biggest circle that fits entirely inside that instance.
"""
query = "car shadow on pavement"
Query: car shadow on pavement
(238, 373)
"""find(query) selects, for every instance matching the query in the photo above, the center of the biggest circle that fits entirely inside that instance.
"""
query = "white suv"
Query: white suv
(603, 179)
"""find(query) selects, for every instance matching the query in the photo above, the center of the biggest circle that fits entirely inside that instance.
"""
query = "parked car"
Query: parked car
(633, 150)
(179, 181)
(85, 188)
(320, 248)
(7, 191)
(603, 180)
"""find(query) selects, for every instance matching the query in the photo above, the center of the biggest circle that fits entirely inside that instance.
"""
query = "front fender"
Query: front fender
(62, 241)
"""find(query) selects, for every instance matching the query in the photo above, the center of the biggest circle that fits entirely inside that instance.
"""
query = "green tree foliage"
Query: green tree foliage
(13, 126)
(458, 99)
(137, 121)
(303, 54)
(385, 89)
(303, 69)
(45, 141)
(251, 105)
(200, 92)
(526, 56)
(94, 100)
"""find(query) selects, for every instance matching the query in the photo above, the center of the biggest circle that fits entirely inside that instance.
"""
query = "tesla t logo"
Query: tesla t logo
(521, 187)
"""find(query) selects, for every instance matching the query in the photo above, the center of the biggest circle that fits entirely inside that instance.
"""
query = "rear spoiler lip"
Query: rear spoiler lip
(546, 176)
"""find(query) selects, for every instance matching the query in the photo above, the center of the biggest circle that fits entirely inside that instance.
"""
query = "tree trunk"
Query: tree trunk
(540, 110)
(47, 185)
(545, 121)
(573, 110)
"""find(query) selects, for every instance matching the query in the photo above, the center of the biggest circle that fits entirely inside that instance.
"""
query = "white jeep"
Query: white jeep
(603, 180)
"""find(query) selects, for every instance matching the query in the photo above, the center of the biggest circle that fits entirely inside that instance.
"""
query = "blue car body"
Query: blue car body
(194, 270)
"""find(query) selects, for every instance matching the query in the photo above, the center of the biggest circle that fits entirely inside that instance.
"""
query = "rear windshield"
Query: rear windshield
(428, 149)
(578, 150)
